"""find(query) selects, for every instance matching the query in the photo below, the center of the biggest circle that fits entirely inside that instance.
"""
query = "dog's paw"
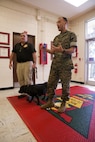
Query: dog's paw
(21, 96)
(29, 99)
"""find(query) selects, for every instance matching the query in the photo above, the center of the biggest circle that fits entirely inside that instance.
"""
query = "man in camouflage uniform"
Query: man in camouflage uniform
(62, 47)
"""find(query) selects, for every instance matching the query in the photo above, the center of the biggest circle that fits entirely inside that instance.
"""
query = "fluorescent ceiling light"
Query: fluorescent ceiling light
(76, 3)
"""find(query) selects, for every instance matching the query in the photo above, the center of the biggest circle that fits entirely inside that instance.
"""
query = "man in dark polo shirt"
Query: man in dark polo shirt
(26, 60)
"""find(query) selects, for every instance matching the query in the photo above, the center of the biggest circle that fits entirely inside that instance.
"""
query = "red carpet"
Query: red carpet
(77, 124)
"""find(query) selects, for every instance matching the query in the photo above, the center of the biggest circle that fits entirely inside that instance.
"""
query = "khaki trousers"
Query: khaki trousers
(24, 73)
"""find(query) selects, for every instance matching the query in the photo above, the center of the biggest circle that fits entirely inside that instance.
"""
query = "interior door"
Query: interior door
(16, 39)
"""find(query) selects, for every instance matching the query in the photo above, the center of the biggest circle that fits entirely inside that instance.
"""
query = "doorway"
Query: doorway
(91, 62)
(91, 52)
(16, 39)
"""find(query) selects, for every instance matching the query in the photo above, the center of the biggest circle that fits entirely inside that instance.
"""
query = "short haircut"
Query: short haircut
(24, 33)
(65, 19)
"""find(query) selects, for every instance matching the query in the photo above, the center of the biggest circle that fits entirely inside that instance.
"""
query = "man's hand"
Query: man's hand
(34, 65)
(54, 49)
(51, 51)
(10, 65)
(57, 49)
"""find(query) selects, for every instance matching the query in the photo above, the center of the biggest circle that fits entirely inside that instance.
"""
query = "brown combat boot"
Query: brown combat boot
(62, 108)
(49, 104)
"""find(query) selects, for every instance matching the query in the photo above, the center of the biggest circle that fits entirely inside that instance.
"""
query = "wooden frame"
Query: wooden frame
(4, 38)
(4, 52)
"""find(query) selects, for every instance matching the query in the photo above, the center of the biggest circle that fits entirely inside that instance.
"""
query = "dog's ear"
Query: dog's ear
(28, 89)
(25, 88)
(20, 89)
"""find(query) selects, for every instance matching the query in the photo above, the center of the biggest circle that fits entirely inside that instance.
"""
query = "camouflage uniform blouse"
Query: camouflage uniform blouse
(67, 40)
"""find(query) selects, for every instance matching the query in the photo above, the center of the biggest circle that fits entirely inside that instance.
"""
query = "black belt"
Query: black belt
(24, 61)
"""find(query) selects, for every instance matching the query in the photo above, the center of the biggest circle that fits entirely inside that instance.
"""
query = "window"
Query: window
(90, 32)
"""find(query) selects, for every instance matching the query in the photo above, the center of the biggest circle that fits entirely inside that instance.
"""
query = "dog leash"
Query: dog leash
(35, 71)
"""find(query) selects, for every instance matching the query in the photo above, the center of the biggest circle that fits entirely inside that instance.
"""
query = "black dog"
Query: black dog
(34, 91)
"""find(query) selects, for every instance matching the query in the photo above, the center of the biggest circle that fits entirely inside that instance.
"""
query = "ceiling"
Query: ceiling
(60, 7)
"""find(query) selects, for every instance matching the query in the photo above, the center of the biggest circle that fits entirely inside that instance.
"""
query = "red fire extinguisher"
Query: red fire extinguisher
(76, 68)
(43, 53)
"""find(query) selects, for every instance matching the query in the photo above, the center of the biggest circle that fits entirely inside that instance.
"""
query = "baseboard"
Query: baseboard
(74, 82)
(77, 82)
(6, 88)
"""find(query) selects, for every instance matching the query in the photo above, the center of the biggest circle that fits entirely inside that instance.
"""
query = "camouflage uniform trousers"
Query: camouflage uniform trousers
(64, 74)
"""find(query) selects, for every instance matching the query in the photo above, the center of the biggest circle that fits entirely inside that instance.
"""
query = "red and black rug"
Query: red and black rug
(77, 124)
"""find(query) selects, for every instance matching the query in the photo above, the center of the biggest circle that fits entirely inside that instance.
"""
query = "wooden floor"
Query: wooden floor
(12, 128)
